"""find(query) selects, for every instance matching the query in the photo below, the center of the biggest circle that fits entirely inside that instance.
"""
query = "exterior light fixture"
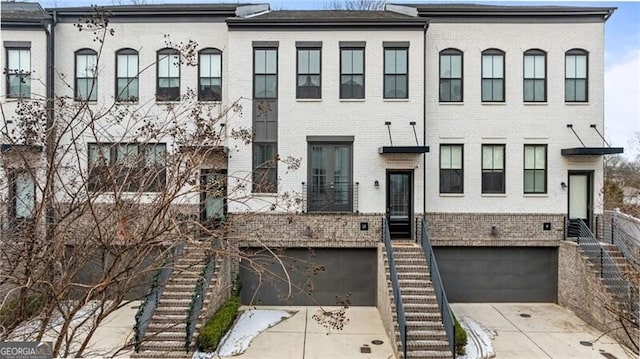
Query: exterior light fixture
(563, 185)
(376, 183)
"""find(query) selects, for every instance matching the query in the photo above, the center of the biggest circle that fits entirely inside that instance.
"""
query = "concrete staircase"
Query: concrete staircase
(166, 333)
(426, 337)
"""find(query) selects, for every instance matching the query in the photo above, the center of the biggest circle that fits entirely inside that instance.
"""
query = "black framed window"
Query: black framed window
(86, 75)
(309, 73)
(493, 169)
(127, 87)
(330, 177)
(492, 76)
(127, 166)
(265, 168)
(576, 84)
(265, 73)
(168, 85)
(22, 194)
(210, 78)
(451, 169)
(18, 72)
(396, 70)
(535, 168)
(535, 76)
(451, 75)
(351, 73)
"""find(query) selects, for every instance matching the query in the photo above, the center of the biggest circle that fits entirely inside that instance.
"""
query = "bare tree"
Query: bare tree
(368, 5)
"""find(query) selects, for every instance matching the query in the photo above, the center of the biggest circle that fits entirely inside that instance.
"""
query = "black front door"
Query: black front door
(399, 204)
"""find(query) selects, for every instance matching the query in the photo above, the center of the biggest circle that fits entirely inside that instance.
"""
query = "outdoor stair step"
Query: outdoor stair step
(411, 283)
(167, 326)
(180, 335)
(168, 318)
(162, 354)
(416, 291)
(422, 316)
(171, 287)
(428, 344)
(424, 335)
(428, 354)
(421, 307)
(408, 299)
(411, 275)
(177, 301)
(171, 311)
(169, 345)
(417, 324)
(412, 261)
(412, 268)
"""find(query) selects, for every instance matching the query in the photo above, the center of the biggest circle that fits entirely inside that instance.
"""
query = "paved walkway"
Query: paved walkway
(551, 331)
(302, 337)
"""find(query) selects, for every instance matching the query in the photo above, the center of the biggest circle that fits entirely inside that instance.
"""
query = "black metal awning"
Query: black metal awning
(403, 149)
(591, 151)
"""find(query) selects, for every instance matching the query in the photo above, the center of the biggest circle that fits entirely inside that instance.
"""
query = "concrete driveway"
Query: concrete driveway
(544, 331)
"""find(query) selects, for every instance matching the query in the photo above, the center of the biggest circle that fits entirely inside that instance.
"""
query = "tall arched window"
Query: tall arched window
(86, 75)
(451, 75)
(127, 88)
(576, 84)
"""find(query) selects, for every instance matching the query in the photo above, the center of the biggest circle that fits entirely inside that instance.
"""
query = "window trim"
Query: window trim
(330, 141)
(169, 52)
(253, 61)
(13, 46)
(209, 51)
(534, 52)
(126, 51)
(577, 52)
(524, 168)
(347, 46)
(451, 52)
(319, 74)
(504, 168)
(493, 52)
(461, 169)
(384, 70)
(94, 88)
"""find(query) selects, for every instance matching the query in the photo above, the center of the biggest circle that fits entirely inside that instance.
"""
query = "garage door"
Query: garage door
(319, 277)
(511, 274)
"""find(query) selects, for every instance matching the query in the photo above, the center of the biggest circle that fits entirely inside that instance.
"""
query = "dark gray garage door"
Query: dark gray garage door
(513, 274)
(320, 277)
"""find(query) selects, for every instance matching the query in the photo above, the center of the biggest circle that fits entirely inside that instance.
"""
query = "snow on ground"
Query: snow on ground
(478, 340)
(249, 324)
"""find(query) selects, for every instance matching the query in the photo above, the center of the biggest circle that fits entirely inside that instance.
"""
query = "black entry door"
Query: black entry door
(399, 206)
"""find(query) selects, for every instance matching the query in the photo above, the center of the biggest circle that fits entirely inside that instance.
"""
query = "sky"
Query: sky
(622, 55)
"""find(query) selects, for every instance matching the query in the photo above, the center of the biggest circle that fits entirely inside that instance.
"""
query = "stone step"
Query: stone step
(168, 318)
(424, 335)
(177, 335)
(408, 299)
(411, 275)
(423, 316)
(410, 261)
(162, 311)
(415, 268)
(428, 344)
(168, 345)
(162, 354)
(155, 327)
(414, 283)
(184, 301)
(416, 291)
(428, 354)
(179, 288)
(418, 307)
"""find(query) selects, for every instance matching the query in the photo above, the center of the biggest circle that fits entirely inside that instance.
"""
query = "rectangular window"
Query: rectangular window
(127, 167)
(535, 81)
(492, 77)
(493, 173)
(575, 82)
(86, 75)
(450, 76)
(308, 83)
(22, 195)
(210, 79)
(351, 73)
(18, 72)
(451, 169)
(535, 168)
(168, 87)
(265, 73)
(127, 75)
(396, 69)
(265, 168)
(330, 177)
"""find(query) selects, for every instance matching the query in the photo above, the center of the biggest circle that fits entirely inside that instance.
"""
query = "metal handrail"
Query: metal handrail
(197, 300)
(621, 288)
(445, 310)
(340, 197)
(395, 284)
(623, 231)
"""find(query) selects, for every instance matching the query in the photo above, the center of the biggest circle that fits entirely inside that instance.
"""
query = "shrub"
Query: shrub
(218, 325)
(15, 311)
(461, 337)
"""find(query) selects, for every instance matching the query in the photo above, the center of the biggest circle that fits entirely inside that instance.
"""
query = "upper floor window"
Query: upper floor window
(493, 173)
(451, 75)
(535, 169)
(535, 76)
(396, 69)
(86, 75)
(576, 76)
(451, 169)
(492, 76)
(18, 70)
(168, 86)
(352, 72)
(308, 81)
(127, 88)
(127, 166)
(210, 79)
(265, 73)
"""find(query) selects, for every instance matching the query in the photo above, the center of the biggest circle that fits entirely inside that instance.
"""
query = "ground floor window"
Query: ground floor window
(330, 177)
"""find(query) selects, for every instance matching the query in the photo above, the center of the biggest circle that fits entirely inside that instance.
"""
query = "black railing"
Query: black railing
(622, 289)
(445, 310)
(332, 197)
(623, 231)
(395, 284)
(150, 301)
(197, 300)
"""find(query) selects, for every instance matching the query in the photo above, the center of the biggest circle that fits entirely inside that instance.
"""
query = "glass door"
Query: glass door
(399, 204)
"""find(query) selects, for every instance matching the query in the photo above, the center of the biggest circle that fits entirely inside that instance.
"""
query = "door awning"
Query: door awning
(591, 151)
(403, 149)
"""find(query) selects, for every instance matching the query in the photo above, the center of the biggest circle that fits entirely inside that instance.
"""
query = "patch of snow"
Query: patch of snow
(249, 324)
(478, 340)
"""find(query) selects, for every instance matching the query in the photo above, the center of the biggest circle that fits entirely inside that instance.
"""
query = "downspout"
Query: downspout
(50, 134)
(424, 118)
